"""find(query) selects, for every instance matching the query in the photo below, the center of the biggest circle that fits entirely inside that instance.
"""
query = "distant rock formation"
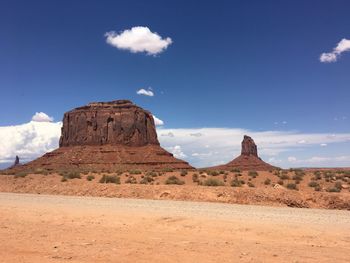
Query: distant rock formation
(16, 163)
(108, 123)
(248, 160)
(108, 136)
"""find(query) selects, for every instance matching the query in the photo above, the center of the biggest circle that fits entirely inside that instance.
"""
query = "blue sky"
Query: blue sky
(232, 64)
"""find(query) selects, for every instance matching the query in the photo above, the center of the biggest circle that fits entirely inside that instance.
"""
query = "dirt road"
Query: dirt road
(43, 228)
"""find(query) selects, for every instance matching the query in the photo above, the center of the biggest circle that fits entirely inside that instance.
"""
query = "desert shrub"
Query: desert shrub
(238, 174)
(135, 172)
(221, 172)
(317, 188)
(236, 183)
(174, 180)
(250, 184)
(276, 172)
(152, 174)
(63, 179)
(183, 173)
(235, 170)
(253, 174)
(21, 174)
(110, 179)
(313, 184)
(131, 180)
(297, 177)
(284, 177)
(292, 186)
(213, 173)
(267, 181)
(90, 177)
(168, 170)
(73, 175)
(146, 180)
(338, 185)
(225, 177)
(40, 171)
(195, 178)
(213, 182)
(333, 190)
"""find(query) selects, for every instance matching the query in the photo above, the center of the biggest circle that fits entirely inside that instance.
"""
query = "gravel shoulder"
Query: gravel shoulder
(45, 228)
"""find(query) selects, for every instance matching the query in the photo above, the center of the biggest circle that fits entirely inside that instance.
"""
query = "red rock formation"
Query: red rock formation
(248, 160)
(111, 136)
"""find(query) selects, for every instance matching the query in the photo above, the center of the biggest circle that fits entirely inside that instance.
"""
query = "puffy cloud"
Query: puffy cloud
(198, 134)
(29, 140)
(42, 117)
(158, 122)
(342, 46)
(138, 39)
(148, 92)
(317, 161)
(177, 151)
(170, 134)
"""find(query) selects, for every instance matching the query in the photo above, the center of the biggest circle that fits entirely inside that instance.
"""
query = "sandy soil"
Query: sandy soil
(41, 228)
(305, 197)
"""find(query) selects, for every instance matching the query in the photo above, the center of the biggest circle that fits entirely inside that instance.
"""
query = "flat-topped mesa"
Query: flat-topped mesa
(118, 122)
(249, 147)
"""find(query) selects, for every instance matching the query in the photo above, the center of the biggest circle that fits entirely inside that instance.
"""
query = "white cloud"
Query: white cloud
(148, 92)
(138, 39)
(318, 161)
(29, 140)
(170, 134)
(292, 159)
(342, 46)
(158, 122)
(177, 151)
(41, 117)
(323, 144)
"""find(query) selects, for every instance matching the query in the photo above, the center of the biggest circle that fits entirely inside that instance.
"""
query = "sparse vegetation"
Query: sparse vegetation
(131, 180)
(213, 173)
(146, 180)
(195, 178)
(235, 170)
(72, 175)
(313, 184)
(135, 172)
(267, 181)
(253, 174)
(284, 177)
(292, 186)
(250, 184)
(174, 180)
(168, 170)
(213, 182)
(237, 183)
(63, 179)
(183, 173)
(152, 174)
(113, 179)
(21, 174)
(90, 177)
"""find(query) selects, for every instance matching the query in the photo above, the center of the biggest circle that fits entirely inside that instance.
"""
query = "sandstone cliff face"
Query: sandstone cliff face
(108, 123)
(249, 147)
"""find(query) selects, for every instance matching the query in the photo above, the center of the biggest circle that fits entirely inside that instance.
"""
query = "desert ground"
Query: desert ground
(47, 228)
(304, 189)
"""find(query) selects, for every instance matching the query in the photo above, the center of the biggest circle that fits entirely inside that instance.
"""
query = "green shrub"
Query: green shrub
(284, 176)
(90, 177)
(253, 174)
(267, 181)
(131, 180)
(195, 178)
(313, 184)
(174, 180)
(168, 170)
(110, 179)
(135, 172)
(221, 172)
(153, 174)
(213, 182)
(292, 186)
(236, 183)
(146, 180)
(21, 174)
(183, 173)
(235, 170)
(73, 175)
(213, 173)
(250, 184)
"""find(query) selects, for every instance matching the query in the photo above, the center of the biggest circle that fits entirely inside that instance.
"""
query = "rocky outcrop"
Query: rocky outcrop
(16, 163)
(107, 136)
(249, 147)
(248, 160)
(108, 123)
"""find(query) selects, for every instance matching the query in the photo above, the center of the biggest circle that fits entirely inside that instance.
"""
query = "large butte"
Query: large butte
(107, 136)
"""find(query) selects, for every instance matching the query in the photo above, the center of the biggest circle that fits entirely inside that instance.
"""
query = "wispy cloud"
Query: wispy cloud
(149, 92)
(138, 39)
(342, 46)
